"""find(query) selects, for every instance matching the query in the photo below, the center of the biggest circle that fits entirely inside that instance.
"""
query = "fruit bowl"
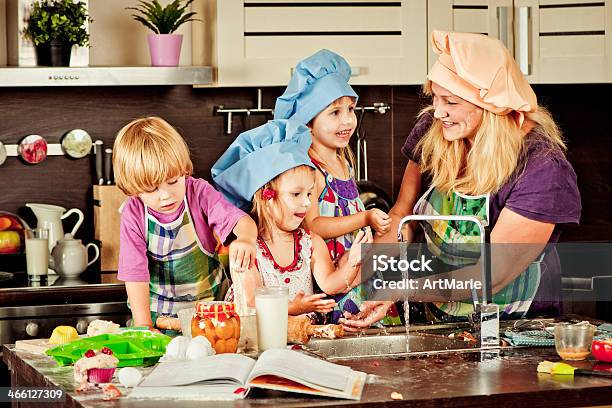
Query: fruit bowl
(11, 233)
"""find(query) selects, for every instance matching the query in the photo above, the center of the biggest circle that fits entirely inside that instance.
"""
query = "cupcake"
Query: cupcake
(63, 335)
(95, 367)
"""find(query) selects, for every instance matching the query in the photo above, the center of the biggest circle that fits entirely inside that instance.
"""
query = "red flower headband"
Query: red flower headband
(269, 194)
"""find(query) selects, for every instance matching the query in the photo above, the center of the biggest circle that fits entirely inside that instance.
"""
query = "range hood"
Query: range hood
(104, 76)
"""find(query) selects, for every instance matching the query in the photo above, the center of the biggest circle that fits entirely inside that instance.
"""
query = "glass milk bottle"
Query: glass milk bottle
(272, 304)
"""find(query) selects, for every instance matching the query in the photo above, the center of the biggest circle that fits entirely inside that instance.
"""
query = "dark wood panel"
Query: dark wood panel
(581, 111)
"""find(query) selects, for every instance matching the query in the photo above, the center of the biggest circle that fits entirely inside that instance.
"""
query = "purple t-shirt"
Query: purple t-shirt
(209, 210)
(543, 189)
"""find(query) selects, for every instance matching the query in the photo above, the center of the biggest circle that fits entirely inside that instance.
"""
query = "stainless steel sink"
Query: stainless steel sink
(386, 345)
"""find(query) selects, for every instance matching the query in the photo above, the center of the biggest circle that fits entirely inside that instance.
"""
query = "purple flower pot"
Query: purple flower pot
(165, 49)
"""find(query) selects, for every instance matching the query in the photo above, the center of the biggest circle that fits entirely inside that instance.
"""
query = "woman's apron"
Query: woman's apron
(181, 271)
(514, 299)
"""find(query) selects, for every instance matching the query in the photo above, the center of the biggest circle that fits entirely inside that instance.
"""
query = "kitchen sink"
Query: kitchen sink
(386, 345)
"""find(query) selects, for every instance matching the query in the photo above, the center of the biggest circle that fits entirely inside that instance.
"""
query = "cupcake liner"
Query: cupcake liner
(100, 375)
(63, 335)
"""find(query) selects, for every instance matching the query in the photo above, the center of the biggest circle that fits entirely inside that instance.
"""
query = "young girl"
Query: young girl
(319, 95)
(269, 168)
(166, 256)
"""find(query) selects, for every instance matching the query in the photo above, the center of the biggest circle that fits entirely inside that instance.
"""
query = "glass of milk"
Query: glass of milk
(37, 252)
(272, 304)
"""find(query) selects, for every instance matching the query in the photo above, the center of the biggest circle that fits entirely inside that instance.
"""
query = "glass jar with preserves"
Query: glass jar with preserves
(219, 323)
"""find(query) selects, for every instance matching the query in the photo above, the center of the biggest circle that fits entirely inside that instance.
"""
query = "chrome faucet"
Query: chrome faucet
(486, 314)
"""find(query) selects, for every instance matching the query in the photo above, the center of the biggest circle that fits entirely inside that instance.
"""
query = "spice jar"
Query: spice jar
(219, 323)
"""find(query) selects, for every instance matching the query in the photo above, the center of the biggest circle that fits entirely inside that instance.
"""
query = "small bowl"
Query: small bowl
(573, 341)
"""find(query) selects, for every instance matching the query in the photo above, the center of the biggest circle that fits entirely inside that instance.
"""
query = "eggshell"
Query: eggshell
(129, 377)
(199, 347)
(177, 348)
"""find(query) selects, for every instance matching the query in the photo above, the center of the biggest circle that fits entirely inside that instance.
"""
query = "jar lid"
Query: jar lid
(215, 309)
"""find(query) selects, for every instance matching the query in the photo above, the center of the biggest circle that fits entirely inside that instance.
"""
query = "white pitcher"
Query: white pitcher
(51, 216)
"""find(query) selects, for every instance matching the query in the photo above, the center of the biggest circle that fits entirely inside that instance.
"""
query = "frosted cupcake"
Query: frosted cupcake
(95, 368)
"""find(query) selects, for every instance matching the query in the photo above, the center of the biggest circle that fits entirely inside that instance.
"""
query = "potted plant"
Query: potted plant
(55, 26)
(164, 46)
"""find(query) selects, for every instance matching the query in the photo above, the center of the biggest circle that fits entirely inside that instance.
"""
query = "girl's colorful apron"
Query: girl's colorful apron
(515, 299)
(181, 271)
(339, 198)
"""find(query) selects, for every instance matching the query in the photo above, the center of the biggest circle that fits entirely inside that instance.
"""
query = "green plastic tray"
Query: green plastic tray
(132, 348)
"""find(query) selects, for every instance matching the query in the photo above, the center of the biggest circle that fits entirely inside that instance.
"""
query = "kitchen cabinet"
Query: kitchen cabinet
(258, 42)
(553, 41)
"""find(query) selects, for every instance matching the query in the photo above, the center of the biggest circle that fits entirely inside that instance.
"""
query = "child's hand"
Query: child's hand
(379, 220)
(242, 254)
(313, 303)
(354, 257)
(369, 313)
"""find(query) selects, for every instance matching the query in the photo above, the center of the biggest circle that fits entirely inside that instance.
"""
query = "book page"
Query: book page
(217, 369)
(298, 366)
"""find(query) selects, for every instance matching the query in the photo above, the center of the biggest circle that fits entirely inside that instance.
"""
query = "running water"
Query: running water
(407, 321)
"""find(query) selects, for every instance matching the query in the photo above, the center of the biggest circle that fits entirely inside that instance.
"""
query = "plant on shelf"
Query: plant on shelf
(55, 26)
(165, 46)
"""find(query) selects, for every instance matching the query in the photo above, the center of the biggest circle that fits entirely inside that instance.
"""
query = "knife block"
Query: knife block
(107, 219)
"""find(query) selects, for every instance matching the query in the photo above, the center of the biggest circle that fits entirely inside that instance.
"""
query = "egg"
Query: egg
(129, 377)
(199, 347)
(177, 348)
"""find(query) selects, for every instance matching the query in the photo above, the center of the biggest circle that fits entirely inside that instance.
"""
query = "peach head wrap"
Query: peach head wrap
(480, 70)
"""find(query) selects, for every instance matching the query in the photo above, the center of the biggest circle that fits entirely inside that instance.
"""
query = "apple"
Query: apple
(9, 222)
(10, 242)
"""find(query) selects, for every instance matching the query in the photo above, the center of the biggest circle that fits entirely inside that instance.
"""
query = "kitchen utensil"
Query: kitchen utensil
(108, 165)
(2, 153)
(37, 252)
(370, 193)
(70, 257)
(300, 330)
(132, 348)
(573, 341)
(548, 367)
(602, 350)
(51, 216)
(76, 143)
(33, 149)
(98, 156)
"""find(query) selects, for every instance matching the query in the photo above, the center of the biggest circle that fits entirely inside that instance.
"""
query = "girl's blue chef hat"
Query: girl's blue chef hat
(257, 156)
(316, 82)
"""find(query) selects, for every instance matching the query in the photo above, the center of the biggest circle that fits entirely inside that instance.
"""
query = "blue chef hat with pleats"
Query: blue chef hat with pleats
(316, 82)
(259, 155)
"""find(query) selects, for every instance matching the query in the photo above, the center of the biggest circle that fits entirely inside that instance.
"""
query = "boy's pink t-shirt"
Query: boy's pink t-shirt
(209, 210)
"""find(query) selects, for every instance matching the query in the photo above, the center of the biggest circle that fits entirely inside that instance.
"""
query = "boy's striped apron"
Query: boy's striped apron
(515, 299)
(181, 270)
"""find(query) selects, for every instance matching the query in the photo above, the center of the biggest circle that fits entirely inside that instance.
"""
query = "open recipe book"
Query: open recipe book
(230, 376)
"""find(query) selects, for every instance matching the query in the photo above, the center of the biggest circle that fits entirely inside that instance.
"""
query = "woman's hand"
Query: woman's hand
(242, 253)
(314, 303)
(369, 313)
(379, 220)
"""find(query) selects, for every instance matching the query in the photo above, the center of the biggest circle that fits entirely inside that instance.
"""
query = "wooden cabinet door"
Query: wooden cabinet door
(572, 40)
(553, 41)
(260, 41)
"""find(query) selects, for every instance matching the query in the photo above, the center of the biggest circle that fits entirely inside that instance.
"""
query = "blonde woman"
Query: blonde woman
(485, 148)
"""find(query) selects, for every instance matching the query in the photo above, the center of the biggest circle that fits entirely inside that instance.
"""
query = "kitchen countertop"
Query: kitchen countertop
(451, 379)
